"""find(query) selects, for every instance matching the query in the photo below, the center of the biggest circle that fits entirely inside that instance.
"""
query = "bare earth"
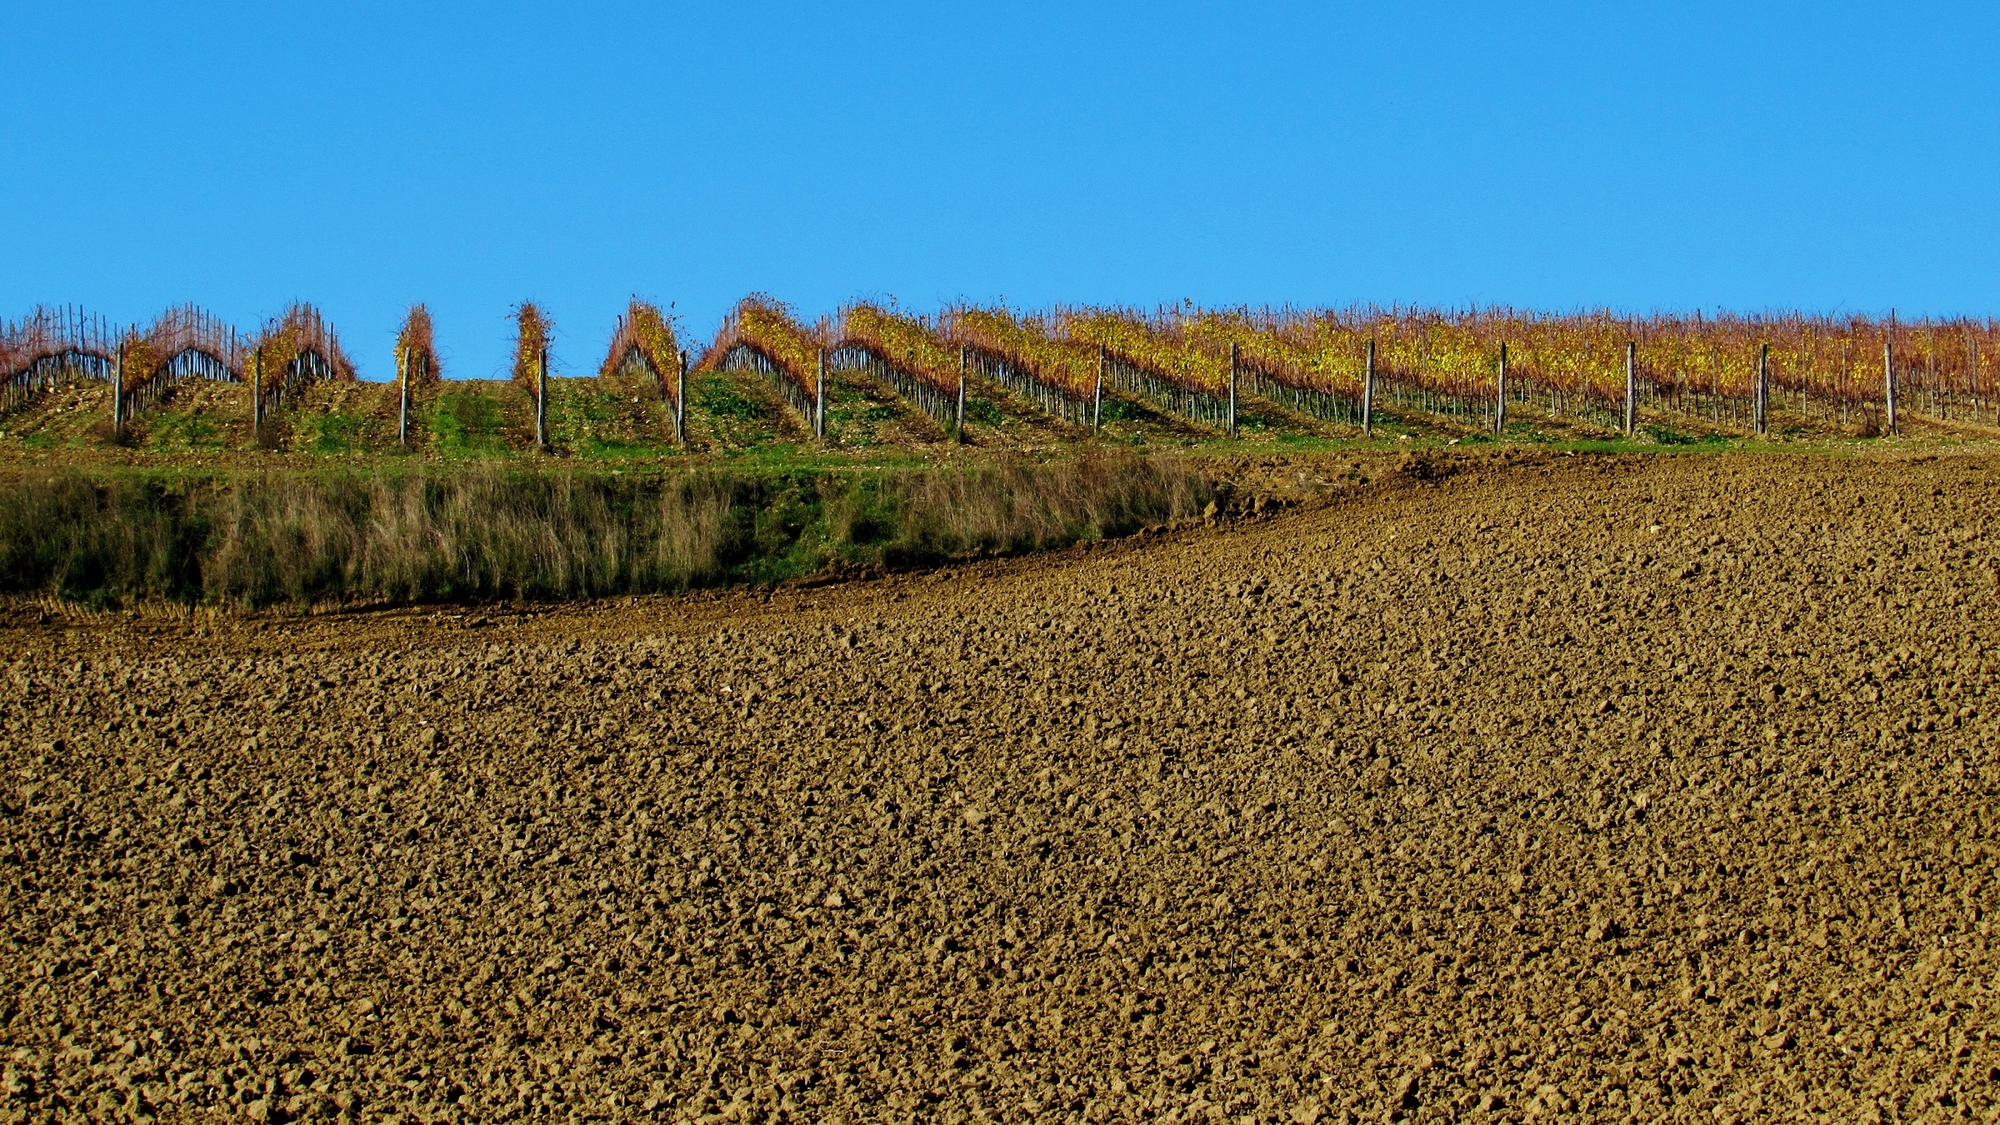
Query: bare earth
(1588, 790)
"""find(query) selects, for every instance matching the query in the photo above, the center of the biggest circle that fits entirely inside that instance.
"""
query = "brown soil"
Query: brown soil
(1581, 789)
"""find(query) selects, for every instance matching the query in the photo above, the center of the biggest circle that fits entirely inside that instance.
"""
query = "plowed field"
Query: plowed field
(1588, 789)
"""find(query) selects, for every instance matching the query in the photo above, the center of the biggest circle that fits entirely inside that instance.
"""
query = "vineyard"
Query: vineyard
(1180, 373)
(142, 366)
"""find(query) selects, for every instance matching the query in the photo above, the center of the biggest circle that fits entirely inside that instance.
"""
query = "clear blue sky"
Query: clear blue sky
(365, 156)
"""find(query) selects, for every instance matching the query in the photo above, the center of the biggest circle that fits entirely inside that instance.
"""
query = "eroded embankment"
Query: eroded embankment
(1636, 788)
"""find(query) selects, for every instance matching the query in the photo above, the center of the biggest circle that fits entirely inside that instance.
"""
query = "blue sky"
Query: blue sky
(1834, 157)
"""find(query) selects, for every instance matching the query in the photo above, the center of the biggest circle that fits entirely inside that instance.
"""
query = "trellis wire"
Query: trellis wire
(1023, 381)
(747, 357)
(632, 355)
(1309, 401)
(1404, 393)
(1597, 410)
(1204, 408)
(855, 356)
(52, 343)
(294, 350)
(636, 364)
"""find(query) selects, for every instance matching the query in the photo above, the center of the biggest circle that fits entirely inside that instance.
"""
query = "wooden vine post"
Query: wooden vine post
(680, 396)
(542, 399)
(1096, 394)
(1761, 403)
(1631, 387)
(1368, 393)
(1972, 363)
(1889, 374)
(1500, 397)
(819, 398)
(1232, 388)
(958, 418)
(257, 393)
(403, 403)
(118, 393)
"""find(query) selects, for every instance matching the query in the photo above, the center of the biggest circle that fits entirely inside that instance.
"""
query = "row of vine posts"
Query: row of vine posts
(299, 348)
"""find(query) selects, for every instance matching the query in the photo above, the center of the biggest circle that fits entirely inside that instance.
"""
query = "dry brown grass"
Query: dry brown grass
(488, 531)
(1014, 506)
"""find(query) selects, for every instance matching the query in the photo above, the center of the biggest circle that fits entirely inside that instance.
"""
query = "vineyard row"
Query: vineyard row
(1193, 364)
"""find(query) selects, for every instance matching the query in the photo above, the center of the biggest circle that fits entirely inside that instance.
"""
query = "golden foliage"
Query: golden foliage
(531, 342)
(139, 359)
(1582, 354)
(770, 328)
(416, 349)
(646, 331)
(299, 335)
(912, 343)
(1030, 341)
(1155, 343)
